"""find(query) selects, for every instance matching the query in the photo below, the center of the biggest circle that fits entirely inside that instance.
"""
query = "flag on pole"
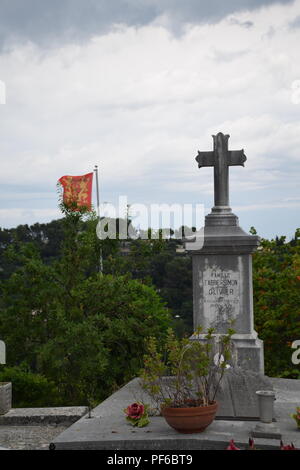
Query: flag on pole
(77, 190)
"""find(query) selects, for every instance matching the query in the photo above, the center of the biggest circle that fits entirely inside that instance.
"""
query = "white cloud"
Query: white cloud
(8, 217)
(273, 205)
(141, 102)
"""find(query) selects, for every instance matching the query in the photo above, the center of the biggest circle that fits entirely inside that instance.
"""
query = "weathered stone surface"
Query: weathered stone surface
(286, 390)
(32, 416)
(237, 394)
(28, 437)
(2, 352)
(223, 292)
(35, 428)
(5, 397)
(266, 430)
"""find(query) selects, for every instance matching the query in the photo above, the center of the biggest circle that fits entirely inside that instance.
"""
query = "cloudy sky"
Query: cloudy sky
(138, 87)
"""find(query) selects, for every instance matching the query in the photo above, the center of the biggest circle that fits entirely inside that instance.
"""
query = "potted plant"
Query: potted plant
(296, 417)
(184, 377)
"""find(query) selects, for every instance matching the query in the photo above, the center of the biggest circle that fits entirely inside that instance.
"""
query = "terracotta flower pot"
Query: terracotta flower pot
(191, 419)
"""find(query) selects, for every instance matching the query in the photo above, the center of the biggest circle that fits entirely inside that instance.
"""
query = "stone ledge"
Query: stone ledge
(32, 416)
(34, 437)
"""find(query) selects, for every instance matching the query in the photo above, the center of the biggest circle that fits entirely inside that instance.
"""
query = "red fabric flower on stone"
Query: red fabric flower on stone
(232, 446)
(135, 411)
(287, 446)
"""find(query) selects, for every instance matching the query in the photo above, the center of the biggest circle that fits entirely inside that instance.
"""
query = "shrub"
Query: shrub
(29, 389)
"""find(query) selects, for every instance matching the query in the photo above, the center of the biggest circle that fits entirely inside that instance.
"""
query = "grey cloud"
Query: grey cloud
(243, 24)
(224, 56)
(295, 23)
(51, 22)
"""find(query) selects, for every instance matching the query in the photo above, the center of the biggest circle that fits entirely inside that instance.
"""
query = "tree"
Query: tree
(82, 330)
(276, 281)
(101, 348)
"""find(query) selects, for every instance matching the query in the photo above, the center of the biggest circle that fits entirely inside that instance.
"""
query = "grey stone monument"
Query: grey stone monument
(222, 268)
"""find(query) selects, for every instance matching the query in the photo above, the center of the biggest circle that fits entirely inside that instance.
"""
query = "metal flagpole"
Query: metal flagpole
(98, 211)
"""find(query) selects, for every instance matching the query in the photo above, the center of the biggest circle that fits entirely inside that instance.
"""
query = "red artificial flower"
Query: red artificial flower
(251, 444)
(232, 446)
(287, 447)
(135, 411)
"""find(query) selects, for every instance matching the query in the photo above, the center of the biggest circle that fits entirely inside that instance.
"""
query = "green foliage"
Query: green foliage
(276, 285)
(46, 238)
(82, 330)
(142, 419)
(156, 262)
(296, 416)
(140, 423)
(29, 388)
(101, 347)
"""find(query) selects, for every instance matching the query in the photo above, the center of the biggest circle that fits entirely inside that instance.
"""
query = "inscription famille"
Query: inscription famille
(221, 296)
(220, 283)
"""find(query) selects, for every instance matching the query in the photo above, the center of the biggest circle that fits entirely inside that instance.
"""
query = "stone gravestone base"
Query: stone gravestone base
(267, 431)
(248, 351)
(236, 396)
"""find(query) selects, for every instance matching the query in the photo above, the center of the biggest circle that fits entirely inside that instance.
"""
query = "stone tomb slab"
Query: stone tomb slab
(107, 429)
(237, 395)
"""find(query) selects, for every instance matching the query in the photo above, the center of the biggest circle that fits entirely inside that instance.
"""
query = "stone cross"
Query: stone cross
(221, 158)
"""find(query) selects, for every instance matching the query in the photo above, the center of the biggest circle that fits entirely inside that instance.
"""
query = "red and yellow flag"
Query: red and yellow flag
(78, 190)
